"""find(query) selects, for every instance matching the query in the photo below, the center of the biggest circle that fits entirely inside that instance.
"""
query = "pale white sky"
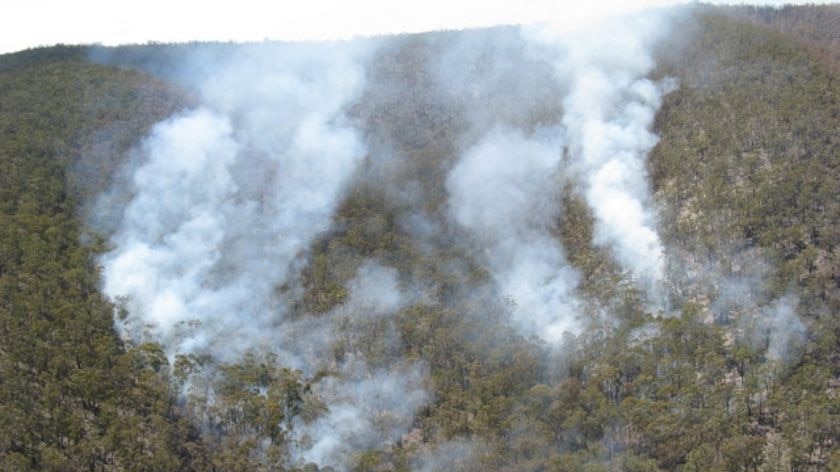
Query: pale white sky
(29, 23)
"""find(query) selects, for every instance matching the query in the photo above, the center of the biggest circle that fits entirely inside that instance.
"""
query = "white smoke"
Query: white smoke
(231, 195)
(764, 322)
(608, 113)
(783, 328)
(367, 406)
(375, 290)
(223, 209)
(367, 409)
(734, 288)
(505, 192)
(457, 455)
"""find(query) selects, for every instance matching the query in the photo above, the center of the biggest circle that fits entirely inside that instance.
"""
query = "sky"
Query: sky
(31, 23)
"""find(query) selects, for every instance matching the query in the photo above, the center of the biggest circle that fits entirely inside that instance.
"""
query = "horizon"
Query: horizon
(99, 22)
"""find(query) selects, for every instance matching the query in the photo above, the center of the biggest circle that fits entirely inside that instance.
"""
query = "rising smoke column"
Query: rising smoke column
(225, 203)
(230, 195)
(504, 191)
(608, 113)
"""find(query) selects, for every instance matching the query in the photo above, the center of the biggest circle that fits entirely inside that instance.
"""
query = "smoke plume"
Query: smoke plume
(225, 199)
(609, 107)
(505, 189)
(223, 207)
(367, 409)
(504, 192)
(230, 196)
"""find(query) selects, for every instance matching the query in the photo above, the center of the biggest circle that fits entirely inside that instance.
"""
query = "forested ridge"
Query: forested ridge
(745, 173)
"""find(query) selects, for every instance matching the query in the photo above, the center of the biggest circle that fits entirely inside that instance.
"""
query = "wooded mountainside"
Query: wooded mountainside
(744, 175)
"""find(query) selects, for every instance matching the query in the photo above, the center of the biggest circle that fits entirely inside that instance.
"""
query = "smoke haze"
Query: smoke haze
(226, 200)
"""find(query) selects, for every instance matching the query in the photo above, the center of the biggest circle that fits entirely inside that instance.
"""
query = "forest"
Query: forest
(401, 253)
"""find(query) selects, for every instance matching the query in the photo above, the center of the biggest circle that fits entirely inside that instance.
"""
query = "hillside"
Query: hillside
(175, 296)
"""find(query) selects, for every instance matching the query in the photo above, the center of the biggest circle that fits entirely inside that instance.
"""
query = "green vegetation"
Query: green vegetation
(746, 170)
(71, 396)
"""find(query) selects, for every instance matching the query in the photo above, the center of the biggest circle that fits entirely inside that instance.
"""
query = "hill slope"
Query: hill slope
(737, 371)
